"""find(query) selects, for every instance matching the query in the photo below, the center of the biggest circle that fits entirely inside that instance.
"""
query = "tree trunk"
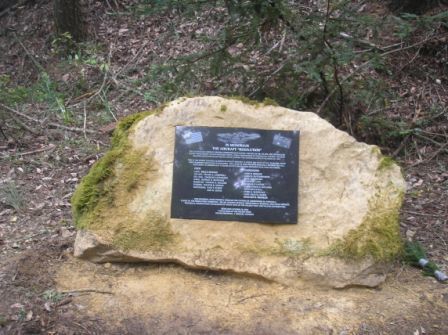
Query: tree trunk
(413, 6)
(69, 18)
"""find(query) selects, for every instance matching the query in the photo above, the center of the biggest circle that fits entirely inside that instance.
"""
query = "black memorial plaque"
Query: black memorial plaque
(235, 174)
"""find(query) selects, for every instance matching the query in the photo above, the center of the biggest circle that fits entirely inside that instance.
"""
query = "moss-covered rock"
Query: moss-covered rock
(378, 236)
(349, 200)
(99, 184)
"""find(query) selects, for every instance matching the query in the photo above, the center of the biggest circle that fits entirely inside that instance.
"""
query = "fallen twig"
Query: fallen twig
(401, 146)
(11, 110)
(24, 126)
(84, 128)
(64, 302)
(434, 155)
(85, 290)
(35, 62)
(50, 147)
(73, 129)
(361, 42)
(51, 124)
(269, 77)
(81, 97)
(424, 214)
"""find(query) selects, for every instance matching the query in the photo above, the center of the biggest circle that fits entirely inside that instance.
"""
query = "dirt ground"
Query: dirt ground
(167, 299)
(44, 290)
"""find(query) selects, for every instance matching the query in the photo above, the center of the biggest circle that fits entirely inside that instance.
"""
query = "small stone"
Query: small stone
(16, 306)
(107, 265)
(410, 234)
(65, 233)
(47, 306)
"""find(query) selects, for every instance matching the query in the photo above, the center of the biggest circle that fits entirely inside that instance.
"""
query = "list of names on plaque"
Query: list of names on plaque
(235, 174)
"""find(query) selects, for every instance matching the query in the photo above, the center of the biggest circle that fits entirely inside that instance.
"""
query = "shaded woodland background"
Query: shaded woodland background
(70, 69)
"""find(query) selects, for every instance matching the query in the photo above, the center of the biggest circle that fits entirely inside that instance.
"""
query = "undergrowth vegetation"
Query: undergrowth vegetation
(332, 57)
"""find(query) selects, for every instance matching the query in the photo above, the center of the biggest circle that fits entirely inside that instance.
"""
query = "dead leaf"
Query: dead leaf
(47, 306)
(17, 305)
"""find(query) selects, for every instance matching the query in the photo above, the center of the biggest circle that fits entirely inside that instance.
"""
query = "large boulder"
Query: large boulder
(349, 201)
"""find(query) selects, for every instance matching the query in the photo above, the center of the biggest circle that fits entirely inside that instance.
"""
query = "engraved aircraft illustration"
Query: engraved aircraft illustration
(238, 137)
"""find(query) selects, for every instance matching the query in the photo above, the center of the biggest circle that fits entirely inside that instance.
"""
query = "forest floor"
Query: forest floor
(55, 126)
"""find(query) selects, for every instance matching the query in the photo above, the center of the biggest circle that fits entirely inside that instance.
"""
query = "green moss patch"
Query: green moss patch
(121, 131)
(270, 102)
(151, 233)
(386, 162)
(248, 101)
(378, 236)
(94, 186)
(101, 201)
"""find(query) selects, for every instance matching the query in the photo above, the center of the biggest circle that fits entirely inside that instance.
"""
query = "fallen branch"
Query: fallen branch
(269, 77)
(73, 129)
(24, 126)
(28, 53)
(424, 214)
(81, 97)
(360, 42)
(50, 147)
(417, 134)
(434, 155)
(11, 110)
(84, 128)
(85, 290)
(401, 146)
(51, 124)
